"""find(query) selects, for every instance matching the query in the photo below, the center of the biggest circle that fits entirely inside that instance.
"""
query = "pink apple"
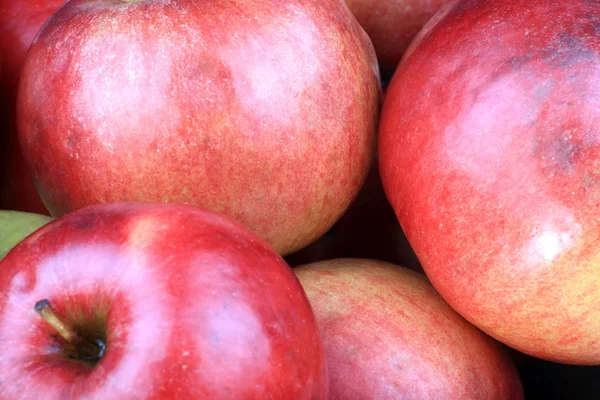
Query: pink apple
(154, 302)
(389, 335)
(489, 154)
(20, 21)
(264, 111)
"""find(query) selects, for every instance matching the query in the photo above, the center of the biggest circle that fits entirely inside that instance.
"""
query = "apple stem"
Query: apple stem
(81, 347)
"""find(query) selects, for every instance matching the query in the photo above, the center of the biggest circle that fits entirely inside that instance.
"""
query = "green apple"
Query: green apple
(16, 226)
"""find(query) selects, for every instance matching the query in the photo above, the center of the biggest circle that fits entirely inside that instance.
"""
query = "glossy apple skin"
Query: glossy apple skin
(389, 335)
(20, 21)
(489, 154)
(264, 112)
(393, 24)
(197, 308)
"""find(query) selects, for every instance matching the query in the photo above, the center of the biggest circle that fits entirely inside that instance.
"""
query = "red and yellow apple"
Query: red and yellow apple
(389, 335)
(490, 155)
(263, 111)
(154, 301)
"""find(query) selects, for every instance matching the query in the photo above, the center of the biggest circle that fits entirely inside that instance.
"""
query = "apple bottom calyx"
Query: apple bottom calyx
(77, 347)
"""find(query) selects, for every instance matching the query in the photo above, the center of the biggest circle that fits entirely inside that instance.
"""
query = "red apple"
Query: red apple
(392, 24)
(266, 112)
(154, 302)
(20, 21)
(389, 335)
(489, 154)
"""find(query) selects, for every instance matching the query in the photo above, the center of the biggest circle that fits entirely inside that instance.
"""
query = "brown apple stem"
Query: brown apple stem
(81, 348)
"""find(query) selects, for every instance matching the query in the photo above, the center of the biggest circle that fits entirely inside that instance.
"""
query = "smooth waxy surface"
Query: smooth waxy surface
(490, 155)
(15, 226)
(189, 304)
(264, 111)
(389, 335)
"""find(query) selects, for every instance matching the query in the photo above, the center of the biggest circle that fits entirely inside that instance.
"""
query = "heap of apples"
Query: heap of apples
(165, 162)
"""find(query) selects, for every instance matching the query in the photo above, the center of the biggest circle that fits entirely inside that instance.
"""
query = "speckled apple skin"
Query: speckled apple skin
(389, 335)
(393, 24)
(490, 155)
(20, 21)
(265, 111)
(197, 307)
